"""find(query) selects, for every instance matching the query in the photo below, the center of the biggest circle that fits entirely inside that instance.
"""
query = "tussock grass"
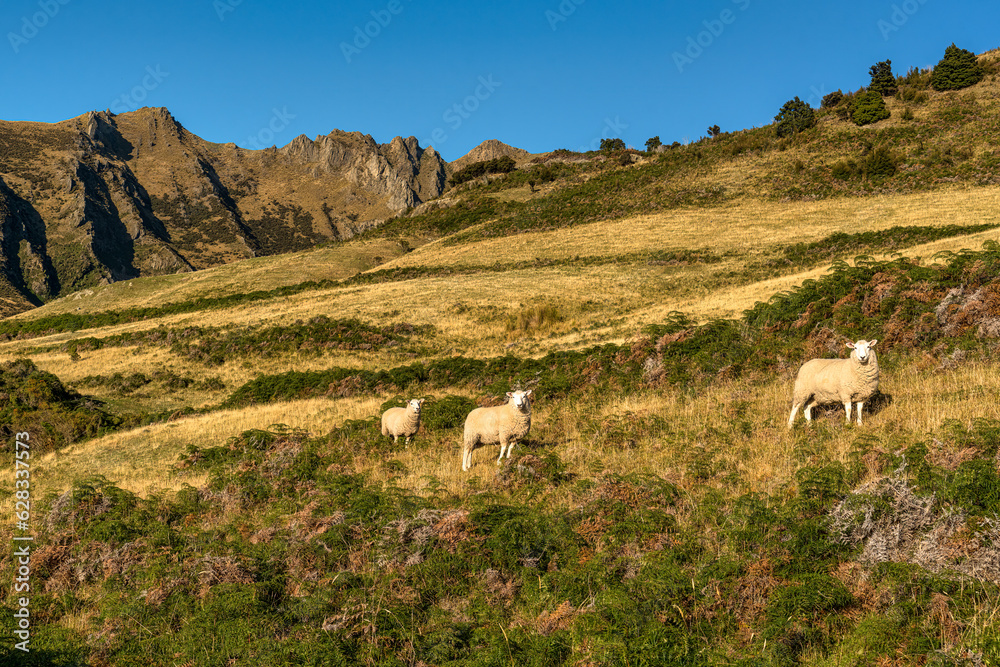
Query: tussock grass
(139, 460)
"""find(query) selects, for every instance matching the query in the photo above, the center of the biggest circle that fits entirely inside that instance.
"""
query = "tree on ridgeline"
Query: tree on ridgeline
(794, 117)
(500, 165)
(958, 69)
(609, 145)
(652, 143)
(883, 82)
(714, 131)
(831, 100)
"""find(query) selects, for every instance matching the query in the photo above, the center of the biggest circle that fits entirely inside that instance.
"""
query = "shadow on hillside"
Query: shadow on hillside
(834, 412)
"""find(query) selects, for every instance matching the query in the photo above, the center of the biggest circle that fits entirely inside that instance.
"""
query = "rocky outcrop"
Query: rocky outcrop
(490, 149)
(400, 173)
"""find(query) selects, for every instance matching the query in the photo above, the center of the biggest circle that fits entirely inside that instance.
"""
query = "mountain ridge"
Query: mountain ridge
(104, 197)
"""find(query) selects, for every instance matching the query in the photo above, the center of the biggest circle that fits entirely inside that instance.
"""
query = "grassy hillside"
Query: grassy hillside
(233, 502)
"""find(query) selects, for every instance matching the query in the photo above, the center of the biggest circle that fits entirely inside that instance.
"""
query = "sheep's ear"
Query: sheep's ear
(872, 344)
(850, 345)
(528, 393)
(421, 401)
(510, 395)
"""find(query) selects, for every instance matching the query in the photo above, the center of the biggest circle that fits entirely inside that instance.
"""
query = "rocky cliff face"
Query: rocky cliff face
(107, 197)
(400, 171)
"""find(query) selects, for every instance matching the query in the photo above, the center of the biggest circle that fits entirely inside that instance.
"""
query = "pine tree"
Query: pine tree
(958, 69)
(883, 82)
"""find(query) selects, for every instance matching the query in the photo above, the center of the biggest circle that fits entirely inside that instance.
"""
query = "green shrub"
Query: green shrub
(447, 412)
(832, 99)
(844, 169)
(880, 164)
(868, 107)
(958, 69)
(35, 401)
(794, 117)
(500, 165)
(976, 487)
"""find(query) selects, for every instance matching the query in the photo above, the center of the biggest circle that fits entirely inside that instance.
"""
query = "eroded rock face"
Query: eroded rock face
(106, 197)
(401, 172)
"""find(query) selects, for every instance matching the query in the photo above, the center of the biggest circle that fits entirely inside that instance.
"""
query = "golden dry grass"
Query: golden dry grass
(923, 398)
(598, 303)
(139, 460)
(746, 227)
(259, 273)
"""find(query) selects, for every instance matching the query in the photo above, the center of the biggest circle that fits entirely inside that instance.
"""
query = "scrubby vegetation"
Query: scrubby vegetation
(337, 569)
(500, 165)
(36, 402)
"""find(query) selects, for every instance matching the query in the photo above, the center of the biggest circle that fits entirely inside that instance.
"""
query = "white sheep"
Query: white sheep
(500, 425)
(402, 421)
(824, 381)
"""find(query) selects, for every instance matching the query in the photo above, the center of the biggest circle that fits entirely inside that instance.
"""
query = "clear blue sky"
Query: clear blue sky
(537, 75)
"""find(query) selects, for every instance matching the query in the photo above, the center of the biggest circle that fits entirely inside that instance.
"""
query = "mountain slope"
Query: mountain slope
(104, 197)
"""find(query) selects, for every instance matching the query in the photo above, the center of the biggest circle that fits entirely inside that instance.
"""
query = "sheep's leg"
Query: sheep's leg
(861, 404)
(503, 446)
(808, 411)
(510, 447)
(407, 441)
(466, 456)
(791, 417)
(847, 408)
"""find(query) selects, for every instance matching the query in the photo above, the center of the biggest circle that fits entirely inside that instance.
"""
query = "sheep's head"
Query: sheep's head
(520, 399)
(863, 350)
(414, 406)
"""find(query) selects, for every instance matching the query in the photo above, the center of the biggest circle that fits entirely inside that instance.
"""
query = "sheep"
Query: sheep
(402, 421)
(500, 425)
(823, 381)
